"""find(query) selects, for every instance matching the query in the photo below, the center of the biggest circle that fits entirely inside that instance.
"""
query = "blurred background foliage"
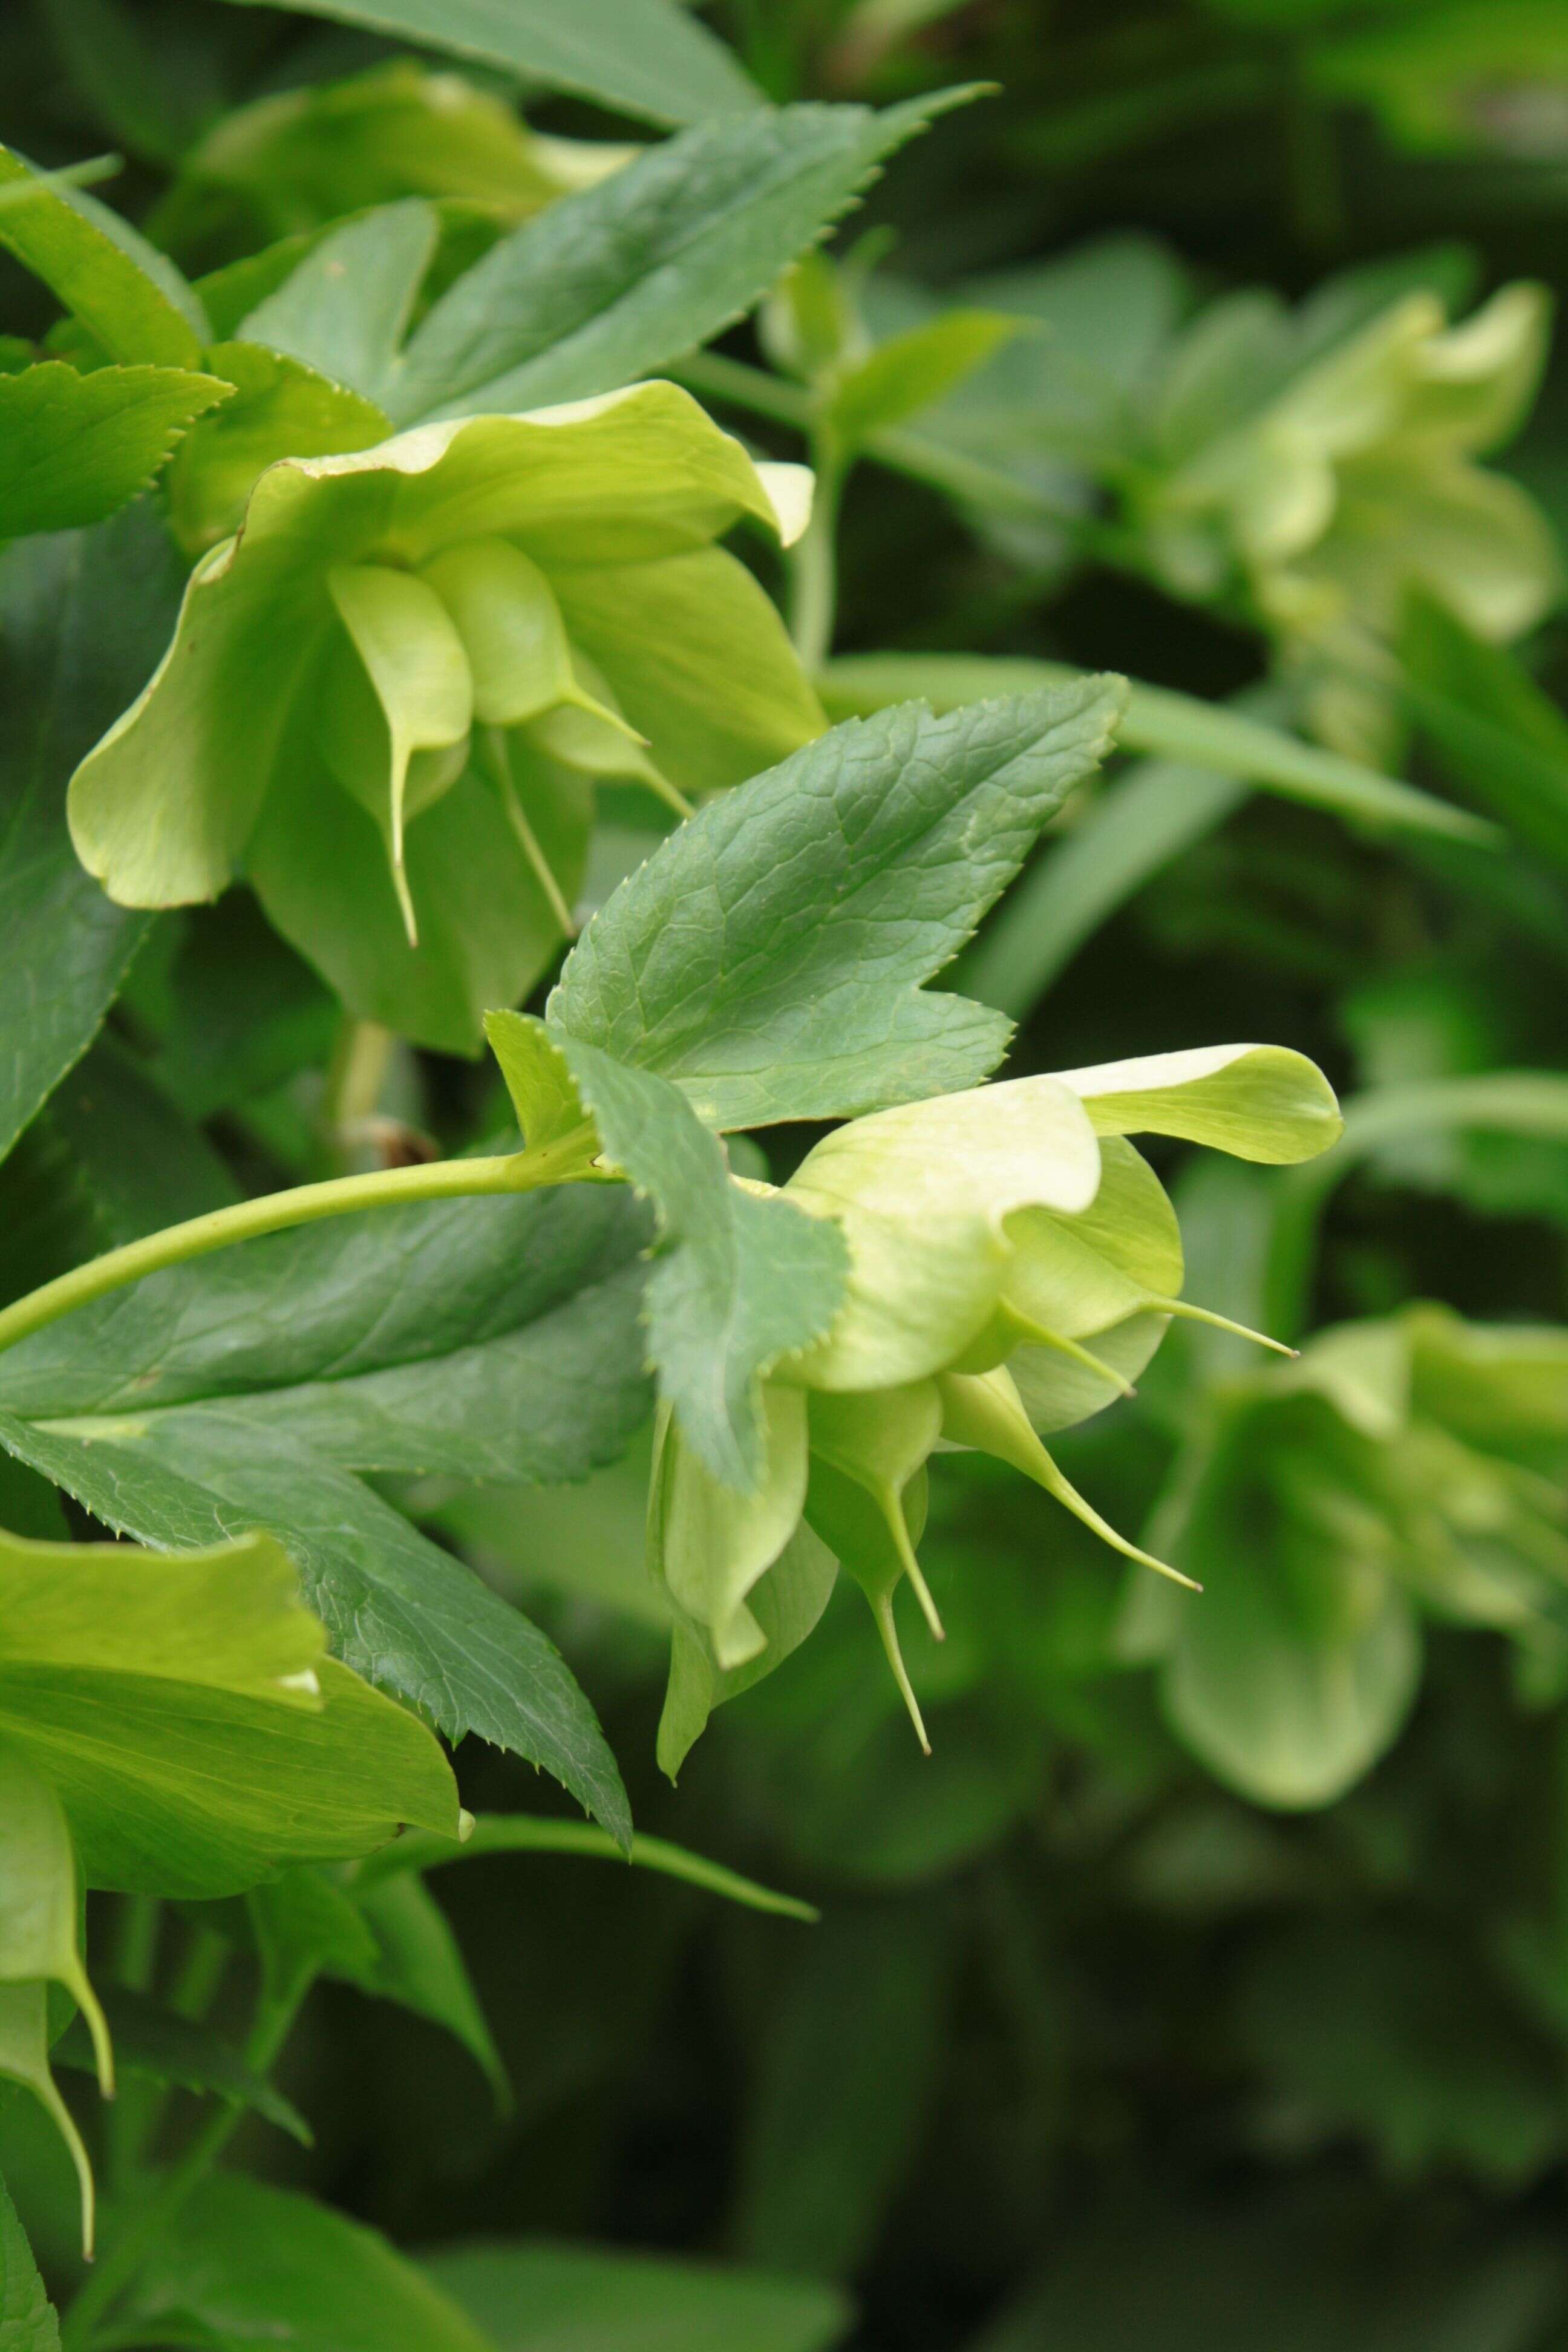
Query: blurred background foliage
(1209, 1985)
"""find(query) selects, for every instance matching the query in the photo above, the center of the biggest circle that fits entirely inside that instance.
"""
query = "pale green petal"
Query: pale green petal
(421, 699)
(622, 479)
(1058, 1393)
(699, 662)
(161, 810)
(709, 1543)
(875, 1545)
(1474, 539)
(878, 1443)
(1081, 1274)
(38, 1896)
(1260, 1102)
(785, 1606)
(985, 1412)
(487, 931)
(922, 1192)
(25, 2059)
(511, 625)
(1476, 383)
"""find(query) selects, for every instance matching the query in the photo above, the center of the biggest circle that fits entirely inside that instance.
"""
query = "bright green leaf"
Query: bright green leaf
(74, 447)
(644, 57)
(769, 958)
(183, 1710)
(121, 288)
(624, 278)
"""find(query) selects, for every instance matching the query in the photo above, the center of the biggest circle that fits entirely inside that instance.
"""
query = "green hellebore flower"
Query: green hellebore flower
(391, 693)
(1408, 1467)
(992, 1235)
(1355, 482)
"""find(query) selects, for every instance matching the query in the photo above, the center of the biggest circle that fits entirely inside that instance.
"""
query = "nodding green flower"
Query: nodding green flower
(391, 695)
(1014, 1265)
(1353, 482)
(1403, 1467)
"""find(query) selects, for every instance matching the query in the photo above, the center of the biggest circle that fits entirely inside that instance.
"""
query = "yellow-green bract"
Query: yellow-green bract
(390, 695)
(1013, 1264)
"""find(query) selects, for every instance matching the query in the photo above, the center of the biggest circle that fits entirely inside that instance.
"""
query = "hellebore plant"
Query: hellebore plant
(391, 695)
(1353, 483)
(1013, 1265)
(1402, 1468)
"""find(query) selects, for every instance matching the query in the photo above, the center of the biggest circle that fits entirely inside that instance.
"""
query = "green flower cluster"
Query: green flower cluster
(1408, 1467)
(1328, 473)
(392, 694)
(1014, 1265)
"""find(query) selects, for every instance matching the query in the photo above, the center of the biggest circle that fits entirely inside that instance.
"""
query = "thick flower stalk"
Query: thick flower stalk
(1354, 482)
(391, 695)
(1014, 1265)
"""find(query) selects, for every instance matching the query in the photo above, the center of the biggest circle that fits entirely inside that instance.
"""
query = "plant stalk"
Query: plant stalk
(440, 1180)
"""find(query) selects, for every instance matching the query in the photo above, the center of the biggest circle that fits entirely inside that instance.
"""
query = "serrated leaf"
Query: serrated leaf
(345, 310)
(125, 292)
(738, 1280)
(619, 282)
(479, 1340)
(83, 618)
(1172, 726)
(160, 2046)
(769, 957)
(74, 447)
(279, 408)
(644, 57)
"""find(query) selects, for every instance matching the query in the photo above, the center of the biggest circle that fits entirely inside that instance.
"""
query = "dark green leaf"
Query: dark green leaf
(83, 619)
(1503, 739)
(645, 57)
(618, 281)
(738, 1281)
(770, 957)
(862, 2013)
(161, 2047)
(251, 2265)
(477, 1338)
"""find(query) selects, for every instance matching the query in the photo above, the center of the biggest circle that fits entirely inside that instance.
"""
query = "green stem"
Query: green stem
(126, 2123)
(718, 377)
(145, 2228)
(440, 1180)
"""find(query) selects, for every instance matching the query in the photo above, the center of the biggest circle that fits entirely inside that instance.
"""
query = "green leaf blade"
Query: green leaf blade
(645, 57)
(623, 279)
(769, 958)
